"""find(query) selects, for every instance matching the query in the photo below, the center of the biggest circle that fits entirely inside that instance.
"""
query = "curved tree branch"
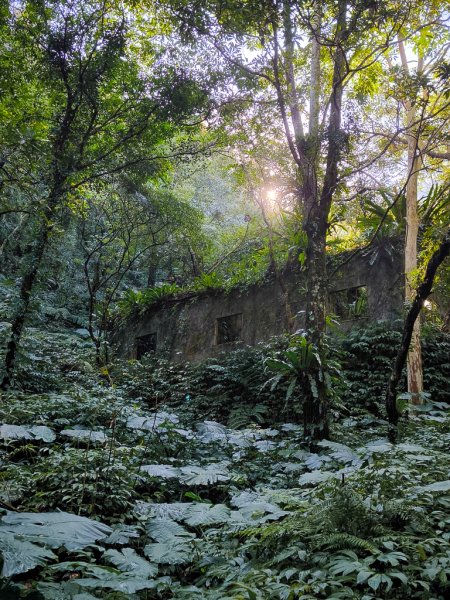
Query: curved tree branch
(423, 291)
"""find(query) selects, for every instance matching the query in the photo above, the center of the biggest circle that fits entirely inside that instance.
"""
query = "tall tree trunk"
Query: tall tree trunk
(314, 94)
(196, 270)
(316, 225)
(26, 288)
(414, 360)
(314, 203)
(423, 291)
(152, 269)
(315, 406)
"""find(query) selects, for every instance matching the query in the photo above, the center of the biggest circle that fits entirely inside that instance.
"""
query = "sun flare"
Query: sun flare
(272, 195)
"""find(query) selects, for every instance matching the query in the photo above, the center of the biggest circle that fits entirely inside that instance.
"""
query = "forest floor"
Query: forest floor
(104, 495)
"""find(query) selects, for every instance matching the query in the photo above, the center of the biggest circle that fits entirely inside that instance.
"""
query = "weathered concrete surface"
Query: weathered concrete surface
(186, 327)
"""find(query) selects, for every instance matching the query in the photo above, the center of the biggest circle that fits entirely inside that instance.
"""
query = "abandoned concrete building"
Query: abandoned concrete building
(195, 326)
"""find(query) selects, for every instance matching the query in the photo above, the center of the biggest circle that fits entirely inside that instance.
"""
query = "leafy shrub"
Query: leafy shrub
(207, 281)
(367, 356)
(232, 386)
(85, 480)
(46, 358)
(261, 384)
(436, 359)
(208, 510)
(136, 302)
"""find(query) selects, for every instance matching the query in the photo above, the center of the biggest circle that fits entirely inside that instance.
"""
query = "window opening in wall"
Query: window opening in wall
(350, 303)
(145, 344)
(228, 329)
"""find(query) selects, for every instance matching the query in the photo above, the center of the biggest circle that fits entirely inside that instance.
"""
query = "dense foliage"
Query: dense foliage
(158, 502)
(154, 149)
(368, 354)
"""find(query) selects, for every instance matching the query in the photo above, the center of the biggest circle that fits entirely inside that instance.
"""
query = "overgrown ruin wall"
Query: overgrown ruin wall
(197, 326)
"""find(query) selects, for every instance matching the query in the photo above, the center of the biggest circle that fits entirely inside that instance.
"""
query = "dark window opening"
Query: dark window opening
(228, 329)
(350, 304)
(145, 345)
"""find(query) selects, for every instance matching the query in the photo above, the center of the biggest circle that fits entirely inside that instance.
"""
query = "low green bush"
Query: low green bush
(367, 357)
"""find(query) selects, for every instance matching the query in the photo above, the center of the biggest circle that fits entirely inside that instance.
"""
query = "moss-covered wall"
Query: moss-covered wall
(186, 327)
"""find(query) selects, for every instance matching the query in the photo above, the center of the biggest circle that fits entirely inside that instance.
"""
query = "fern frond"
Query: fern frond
(344, 541)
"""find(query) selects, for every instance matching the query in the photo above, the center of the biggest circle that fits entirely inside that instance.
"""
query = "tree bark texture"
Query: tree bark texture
(26, 289)
(29, 279)
(414, 359)
(314, 95)
(317, 210)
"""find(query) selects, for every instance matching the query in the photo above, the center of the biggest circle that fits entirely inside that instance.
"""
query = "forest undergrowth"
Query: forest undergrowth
(153, 480)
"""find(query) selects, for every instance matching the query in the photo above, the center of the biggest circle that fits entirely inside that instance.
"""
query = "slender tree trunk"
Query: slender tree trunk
(94, 333)
(421, 295)
(196, 270)
(20, 316)
(152, 269)
(414, 360)
(314, 95)
(315, 406)
(27, 286)
(92, 287)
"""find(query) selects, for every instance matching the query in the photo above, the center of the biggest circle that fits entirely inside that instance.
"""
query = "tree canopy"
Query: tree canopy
(240, 158)
(149, 148)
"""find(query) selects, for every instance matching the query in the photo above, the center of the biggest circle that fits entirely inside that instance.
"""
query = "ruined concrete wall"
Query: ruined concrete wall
(187, 328)
(383, 276)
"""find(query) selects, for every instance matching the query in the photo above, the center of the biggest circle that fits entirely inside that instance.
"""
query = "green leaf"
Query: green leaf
(438, 486)
(206, 514)
(175, 551)
(375, 581)
(163, 471)
(119, 583)
(363, 576)
(291, 388)
(85, 435)
(126, 560)
(41, 432)
(211, 431)
(163, 530)
(261, 511)
(19, 556)
(341, 452)
(342, 566)
(55, 529)
(400, 576)
(68, 590)
(152, 422)
(279, 365)
(241, 586)
(392, 558)
(316, 477)
(25, 432)
(212, 473)
(14, 432)
(163, 510)
(122, 534)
